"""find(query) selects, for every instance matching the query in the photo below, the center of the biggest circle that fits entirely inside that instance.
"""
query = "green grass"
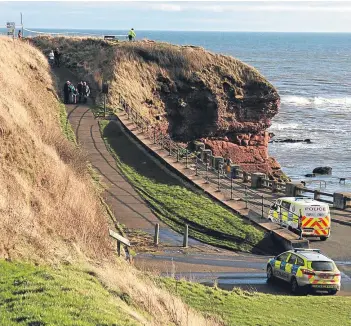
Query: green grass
(176, 205)
(31, 295)
(246, 308)
(66, 126)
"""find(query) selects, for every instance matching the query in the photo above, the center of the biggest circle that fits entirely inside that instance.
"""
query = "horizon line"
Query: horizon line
(204, 31)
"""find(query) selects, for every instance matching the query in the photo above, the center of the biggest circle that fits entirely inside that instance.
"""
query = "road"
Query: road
(225, 269)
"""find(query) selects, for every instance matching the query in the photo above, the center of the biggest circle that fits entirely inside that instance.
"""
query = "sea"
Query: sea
(312, 72)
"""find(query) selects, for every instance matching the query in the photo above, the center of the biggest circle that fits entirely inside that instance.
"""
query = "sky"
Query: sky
(264, 16)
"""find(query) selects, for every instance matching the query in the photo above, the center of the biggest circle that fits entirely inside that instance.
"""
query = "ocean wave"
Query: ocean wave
(318, 102)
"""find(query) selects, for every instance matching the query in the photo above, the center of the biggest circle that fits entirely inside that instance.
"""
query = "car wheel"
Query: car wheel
(294, 286)
(323, 238)
(270, 276)
(332, 292)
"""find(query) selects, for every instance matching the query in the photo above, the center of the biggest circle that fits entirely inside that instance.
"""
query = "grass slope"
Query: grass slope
(176, 205)
(252, 309)
(31, 295)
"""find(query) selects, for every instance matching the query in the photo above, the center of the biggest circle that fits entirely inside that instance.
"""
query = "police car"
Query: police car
(306, 270)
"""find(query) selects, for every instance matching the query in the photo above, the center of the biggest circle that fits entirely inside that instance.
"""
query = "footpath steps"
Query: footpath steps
(287, 238)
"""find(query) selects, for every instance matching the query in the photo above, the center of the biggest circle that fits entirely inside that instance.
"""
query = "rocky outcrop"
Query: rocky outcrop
(197, 94)
(322, 170)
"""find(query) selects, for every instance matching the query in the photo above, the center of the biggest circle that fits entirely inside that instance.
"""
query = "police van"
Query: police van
(309, 217)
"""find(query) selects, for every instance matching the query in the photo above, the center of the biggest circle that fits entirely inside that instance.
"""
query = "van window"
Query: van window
(285, 205)
(322, 266)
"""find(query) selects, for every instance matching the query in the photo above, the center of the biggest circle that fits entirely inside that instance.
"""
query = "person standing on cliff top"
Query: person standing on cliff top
(131, 35)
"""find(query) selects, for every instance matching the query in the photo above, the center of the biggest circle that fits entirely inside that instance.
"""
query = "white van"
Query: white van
(309, 215)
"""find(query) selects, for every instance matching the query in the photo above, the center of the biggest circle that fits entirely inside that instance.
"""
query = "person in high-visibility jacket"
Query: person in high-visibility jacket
(131, 35)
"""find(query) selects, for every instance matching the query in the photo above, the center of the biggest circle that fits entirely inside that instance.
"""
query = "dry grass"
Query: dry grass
(133, 69)
(49, 209)
(143, 291)
(47, 204)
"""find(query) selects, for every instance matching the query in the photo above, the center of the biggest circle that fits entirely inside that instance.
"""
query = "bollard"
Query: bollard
(154, 135)
(177, 154)
(170, 147)
(186, 158)
(231, 188)
(157, 234)
(186, 234)
(262, 206)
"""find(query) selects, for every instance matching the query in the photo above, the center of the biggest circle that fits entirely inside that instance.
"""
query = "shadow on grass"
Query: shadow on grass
(132, 155)
(207, 220)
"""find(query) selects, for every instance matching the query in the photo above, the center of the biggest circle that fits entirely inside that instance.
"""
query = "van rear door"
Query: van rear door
(316, 220)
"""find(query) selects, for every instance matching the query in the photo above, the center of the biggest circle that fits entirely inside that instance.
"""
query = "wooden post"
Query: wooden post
(157, 234)
(186, 234)
(262, 206)
(118, 248)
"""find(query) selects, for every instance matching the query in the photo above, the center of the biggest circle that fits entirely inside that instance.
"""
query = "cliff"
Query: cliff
(51, 218)
(199, 94)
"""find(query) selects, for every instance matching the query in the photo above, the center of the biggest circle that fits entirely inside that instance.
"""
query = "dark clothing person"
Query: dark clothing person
(66, 93)
(57, 55)
(85, 91)
(19, 34)
(80, 91)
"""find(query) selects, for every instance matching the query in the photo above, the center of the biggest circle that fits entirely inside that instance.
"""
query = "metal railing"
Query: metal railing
(213, 169)
(206, 167)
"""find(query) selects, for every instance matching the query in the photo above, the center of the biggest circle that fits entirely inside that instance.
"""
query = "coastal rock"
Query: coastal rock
(325, 170)
(290, 140)
(199, 94)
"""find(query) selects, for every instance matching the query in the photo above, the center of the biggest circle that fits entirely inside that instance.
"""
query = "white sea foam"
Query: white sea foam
(318, 102)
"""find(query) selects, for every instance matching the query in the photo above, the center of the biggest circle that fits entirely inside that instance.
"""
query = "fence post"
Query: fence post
(231, 188)
(262, 212)
(206, 176)
(154, 135)
(186, 158)
(157, 234)
(219, 178)
(186, 234)
(245, 196)
(196, 174)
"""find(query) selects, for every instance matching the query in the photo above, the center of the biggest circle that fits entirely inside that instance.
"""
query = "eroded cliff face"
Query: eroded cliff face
(229, 112)
(199, 95)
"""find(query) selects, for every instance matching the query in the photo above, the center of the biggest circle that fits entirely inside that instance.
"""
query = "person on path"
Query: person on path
(80, 91)
(66, 92)
(19, 35)
(131, 35)
(51, 58)
(57, 55)
(86, 92)
(72, 94)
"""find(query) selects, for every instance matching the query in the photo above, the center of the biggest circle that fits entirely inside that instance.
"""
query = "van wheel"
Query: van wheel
(323, 238)
(294, 286)
(332, 292)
